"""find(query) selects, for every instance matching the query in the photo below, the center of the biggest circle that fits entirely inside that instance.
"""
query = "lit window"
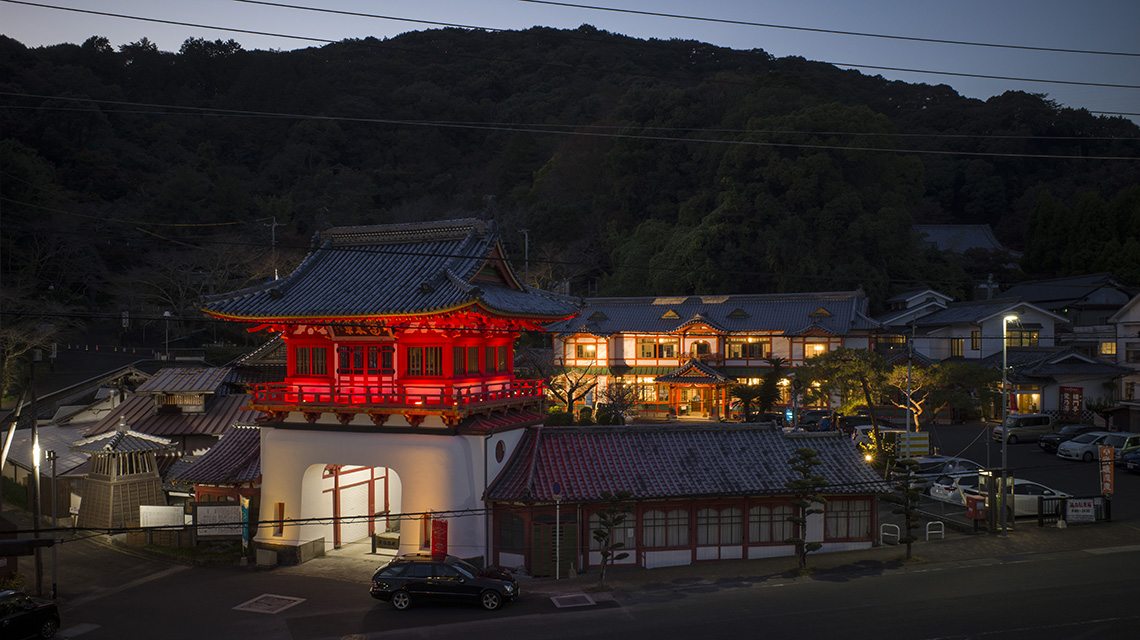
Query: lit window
(586, 351)
(957, 346)
(1108, 348)
(812, 349)
(749, 348)
(311, 361)
(1021, 338)
(976, 340)
(657, 348)
(424, 361)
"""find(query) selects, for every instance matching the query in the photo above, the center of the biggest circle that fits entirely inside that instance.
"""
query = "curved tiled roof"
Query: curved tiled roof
(139, 412)
(235, 458)
(671, 461)
(395, 270)
(121, 440)
(789, 314)
(695, 371)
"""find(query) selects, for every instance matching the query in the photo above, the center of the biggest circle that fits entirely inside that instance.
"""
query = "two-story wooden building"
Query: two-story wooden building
(399, 402)
(682, 353)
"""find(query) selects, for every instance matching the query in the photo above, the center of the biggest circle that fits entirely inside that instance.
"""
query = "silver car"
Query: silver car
(1083, 447)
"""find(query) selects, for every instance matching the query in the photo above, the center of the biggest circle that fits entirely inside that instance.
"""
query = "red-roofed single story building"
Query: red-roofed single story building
(698, 493)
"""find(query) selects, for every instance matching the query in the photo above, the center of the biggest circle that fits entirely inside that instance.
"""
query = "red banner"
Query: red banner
(1107, 459)
(439, 537)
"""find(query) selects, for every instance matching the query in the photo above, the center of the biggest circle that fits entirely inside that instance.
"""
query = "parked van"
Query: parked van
(1024, 428)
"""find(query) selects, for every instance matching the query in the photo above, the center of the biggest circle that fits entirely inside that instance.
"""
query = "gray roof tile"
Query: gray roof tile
(235, 458)
(790, 314)
(671, 461)
(384, 270)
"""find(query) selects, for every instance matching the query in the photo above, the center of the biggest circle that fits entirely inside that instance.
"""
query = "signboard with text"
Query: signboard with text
(218, 520)
(1080, 510)
(439, 537)
(1107, 458)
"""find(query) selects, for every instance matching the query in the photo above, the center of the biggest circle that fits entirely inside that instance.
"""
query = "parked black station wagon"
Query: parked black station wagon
(22, 616)
(421, 577)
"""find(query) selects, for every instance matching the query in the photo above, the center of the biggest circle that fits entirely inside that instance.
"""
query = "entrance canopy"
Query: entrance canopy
(695, 372)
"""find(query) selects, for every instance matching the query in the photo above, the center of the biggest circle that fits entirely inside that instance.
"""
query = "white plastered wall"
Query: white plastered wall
(437, 473)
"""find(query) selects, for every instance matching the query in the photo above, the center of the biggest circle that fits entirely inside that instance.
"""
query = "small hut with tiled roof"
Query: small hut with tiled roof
(123, 474)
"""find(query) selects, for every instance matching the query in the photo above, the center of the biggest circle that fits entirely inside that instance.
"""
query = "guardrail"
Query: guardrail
(1051, 510)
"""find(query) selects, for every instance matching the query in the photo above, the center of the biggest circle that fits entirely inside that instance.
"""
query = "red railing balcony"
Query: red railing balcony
(348, 396)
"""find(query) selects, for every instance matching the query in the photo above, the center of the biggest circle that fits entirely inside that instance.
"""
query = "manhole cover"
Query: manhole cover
(575, 600)
(269, 603)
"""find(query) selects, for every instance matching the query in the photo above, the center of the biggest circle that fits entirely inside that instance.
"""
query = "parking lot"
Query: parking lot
(1027, 460)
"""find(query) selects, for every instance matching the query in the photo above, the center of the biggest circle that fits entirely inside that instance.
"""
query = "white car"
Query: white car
(1025, 495)
(952, 488)
(1083, 447)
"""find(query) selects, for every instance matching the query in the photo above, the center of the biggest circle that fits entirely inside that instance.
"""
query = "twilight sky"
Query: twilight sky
(1095, 25)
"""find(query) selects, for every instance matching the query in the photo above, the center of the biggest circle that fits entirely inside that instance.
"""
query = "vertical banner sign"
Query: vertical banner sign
(244, 501)
(1107, 458)
(439, 537)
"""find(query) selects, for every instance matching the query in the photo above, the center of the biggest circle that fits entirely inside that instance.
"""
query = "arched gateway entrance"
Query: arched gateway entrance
(423, 474)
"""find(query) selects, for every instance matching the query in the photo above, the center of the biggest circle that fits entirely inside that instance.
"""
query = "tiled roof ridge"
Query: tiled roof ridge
(671, 427)
(115, 437)
(435, 230)
(722, 299)
(276, 287)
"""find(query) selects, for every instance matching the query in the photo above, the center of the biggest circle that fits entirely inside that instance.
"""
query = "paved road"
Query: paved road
(1061, 595)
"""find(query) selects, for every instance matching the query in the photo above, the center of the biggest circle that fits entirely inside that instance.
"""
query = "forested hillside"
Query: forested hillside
(139, 179)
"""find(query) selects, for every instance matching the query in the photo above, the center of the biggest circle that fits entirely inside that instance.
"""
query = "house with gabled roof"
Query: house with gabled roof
(399, 395)
(696, 492)
(1058, 381)
(1086, 302)
(681, 353)
(191, 406)
(1125, 352)
(973, 330)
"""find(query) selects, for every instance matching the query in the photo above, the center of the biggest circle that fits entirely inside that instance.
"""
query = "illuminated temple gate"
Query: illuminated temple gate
(400, 348)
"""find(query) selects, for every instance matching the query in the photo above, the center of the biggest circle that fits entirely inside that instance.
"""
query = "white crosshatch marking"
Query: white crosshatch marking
(573, 600)
(269, 603)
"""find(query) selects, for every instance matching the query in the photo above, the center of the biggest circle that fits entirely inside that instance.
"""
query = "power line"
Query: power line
(534, 128)
(532, 62)
(592, 134)
(829, 31)
(210, 240)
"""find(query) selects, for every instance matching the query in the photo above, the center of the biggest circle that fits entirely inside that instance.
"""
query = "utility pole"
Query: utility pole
(526, 255)
(273, 243)
(166, 314)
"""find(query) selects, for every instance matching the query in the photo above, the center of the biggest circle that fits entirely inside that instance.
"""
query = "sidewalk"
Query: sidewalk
(1022, 542)
(957, 548)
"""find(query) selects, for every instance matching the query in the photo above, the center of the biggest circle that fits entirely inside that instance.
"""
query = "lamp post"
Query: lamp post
(1004, 411)
(54, 524)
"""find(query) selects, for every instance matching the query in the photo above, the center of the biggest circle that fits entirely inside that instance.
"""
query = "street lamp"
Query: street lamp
(1004, 411)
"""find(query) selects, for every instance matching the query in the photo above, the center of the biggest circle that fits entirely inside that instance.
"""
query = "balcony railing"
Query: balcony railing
(451, 397)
